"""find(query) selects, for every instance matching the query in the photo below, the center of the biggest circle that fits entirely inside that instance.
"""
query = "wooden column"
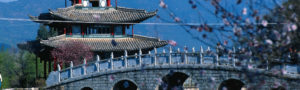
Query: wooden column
(112, 30)
(65, 3)
(82, 31)
(79, 1)
(132, 31)
(116, 3)
(70, 30)
(65, 31)
(108, 3)
(123, 30)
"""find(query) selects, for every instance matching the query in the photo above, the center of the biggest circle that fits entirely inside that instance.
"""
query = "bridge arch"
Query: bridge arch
(173, 80)
(232, 84)
(125, 84)
(279, 88)
(86, 88)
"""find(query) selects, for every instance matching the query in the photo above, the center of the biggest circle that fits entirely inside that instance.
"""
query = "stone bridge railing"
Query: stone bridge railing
(158, 59)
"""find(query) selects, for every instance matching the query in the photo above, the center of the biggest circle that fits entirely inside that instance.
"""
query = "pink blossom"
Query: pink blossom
(268, 41)
(213, 79)
(244, 11)
(199, 29)
(264, 23)
(226, 22)
(248, 21)
(250, 67)
(225, 42)
(162, 4)
(177, 19)
(172, 42)
(294, 27)
(111, 78)
(72, 51)
(284, 71)
(159, 80)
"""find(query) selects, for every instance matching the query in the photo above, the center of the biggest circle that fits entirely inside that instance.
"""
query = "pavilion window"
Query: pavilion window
(98, 30)
(118, 30)
(76, 29)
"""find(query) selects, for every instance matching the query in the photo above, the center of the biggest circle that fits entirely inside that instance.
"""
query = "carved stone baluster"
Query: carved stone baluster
(84, 66)
(150, 55)
(185, 56)
(178, 53)
(170, 55)
(233, 56)
(136, 56)
(140, 57)
(71, 69)
(193, 50)
(112, 61)
(201, 55)
(217, 60)
(155, 56)
(98, 63)
(59, 71)
(125, 58)
(178, 50)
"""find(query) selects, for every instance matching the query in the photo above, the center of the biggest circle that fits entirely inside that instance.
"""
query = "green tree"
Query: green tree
(42, 33)
(52, 33)
(7, 68)
(18, 69)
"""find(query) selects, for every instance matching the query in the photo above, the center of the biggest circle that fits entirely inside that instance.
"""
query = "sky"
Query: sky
(7, 1)
(13, 32)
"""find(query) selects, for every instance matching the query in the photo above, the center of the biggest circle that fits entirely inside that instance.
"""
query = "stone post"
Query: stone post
(140, 57)
(71, 69)
(84, 66)
(150, 55)
(233, 56)
(178, 51)
(125, 58)
(201, 55)
(186, 57)
(59, 70)
(112, 61)
(217, 60)
(208, 48)
(193, 50)
(155, 56)
(98, 63)
(170, 55)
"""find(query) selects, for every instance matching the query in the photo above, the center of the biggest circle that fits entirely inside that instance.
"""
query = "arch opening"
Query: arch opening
(231, 84)
(86, 88)
(279, 88)
(173, 81)
(125, 85)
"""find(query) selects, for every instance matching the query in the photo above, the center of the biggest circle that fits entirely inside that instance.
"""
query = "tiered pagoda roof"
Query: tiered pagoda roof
(95, 15)
(105, 44)
(103, 29)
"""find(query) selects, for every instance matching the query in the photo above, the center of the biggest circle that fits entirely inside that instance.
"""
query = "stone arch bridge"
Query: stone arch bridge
(174, 70)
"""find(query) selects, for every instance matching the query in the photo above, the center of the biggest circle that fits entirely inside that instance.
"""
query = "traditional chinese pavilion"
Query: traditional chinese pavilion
(98, 25)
